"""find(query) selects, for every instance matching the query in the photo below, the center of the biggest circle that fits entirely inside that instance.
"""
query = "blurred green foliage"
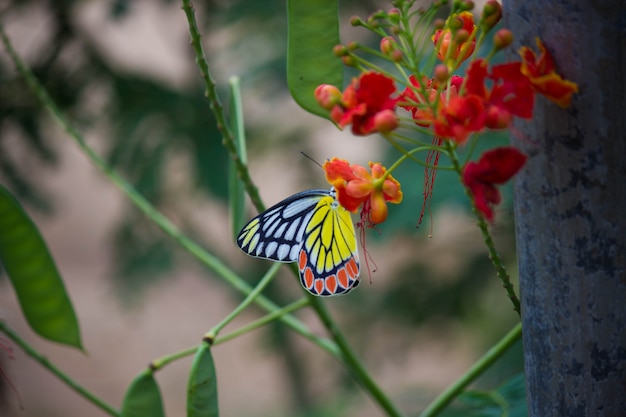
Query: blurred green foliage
(508, 400)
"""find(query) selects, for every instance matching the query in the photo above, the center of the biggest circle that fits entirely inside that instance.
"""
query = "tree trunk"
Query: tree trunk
(570, 210)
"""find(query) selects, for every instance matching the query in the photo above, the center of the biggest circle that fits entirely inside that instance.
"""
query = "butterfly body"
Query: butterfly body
(314, 230)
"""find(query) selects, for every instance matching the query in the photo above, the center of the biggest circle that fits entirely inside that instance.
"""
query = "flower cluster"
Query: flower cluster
(452, 107)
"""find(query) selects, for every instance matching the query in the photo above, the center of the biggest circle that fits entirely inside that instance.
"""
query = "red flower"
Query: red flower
(420, 106)
(355, 187)
(494, 167)
(367, 105)
(541, 73)
(451, 42)
(454, 117)
(511, 93)
(461, 116)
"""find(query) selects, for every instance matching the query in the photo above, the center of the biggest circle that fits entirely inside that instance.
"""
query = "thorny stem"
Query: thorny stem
(494, 255)
(43, 361)
(216, 107)
(349, 357)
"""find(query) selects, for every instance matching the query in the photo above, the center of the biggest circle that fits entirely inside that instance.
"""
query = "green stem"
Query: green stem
(332, 348)
(267, 278)
(142, 204)
(497, 262)
(43, 361)
(477, 369)
(494, 255)
(351, 361)
(326, 344)
(159, 363)
(347, 354)
(402, 159)
(216, 106)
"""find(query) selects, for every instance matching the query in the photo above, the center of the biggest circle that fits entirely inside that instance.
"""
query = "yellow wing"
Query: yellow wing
(329, 259)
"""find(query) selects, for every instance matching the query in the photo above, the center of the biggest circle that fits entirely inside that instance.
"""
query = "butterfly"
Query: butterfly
(314, 230)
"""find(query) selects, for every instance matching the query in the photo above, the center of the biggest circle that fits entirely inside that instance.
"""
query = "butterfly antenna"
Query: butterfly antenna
(311, 159)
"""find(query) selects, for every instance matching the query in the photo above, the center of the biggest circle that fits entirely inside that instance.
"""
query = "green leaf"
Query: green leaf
(313, 32)
(508, 400)
(236, 192)
(202, 386)
(143, 397)
(34, 276)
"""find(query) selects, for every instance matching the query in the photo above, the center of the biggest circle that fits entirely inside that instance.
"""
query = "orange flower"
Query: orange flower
(356, 187)
(451, 42)
(541, 72)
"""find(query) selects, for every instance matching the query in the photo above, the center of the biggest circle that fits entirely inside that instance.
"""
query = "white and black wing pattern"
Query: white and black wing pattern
(278, 232)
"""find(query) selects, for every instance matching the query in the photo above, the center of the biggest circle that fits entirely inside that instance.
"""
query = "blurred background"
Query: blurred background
(124, 73)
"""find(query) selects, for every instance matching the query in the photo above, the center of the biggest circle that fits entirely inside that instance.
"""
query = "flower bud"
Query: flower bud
(441, 73)
(492, 13)
(439, 24)
(372, 21)
(387, 45)
(385, 121)
(467, 5)
(380, 14)
(397, 56)
(502, 39)
(394, 15)
(348, 60)
(340, 50)
(356, 21)
(461, 36)
(456, 23)
(327, 96)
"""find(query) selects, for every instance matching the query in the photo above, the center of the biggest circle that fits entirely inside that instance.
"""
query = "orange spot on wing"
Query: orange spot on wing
(342, 277)
(308, 278)
(353, 269)
(331, 284)
(319, 286)
(302, 260)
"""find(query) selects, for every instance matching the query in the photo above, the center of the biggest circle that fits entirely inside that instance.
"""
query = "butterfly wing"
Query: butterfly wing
(279, 231)
(328, 259)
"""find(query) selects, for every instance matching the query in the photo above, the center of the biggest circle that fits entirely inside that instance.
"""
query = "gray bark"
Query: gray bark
(570, 210)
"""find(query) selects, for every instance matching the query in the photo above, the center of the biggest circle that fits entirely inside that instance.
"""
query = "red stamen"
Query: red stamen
(430, 172)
